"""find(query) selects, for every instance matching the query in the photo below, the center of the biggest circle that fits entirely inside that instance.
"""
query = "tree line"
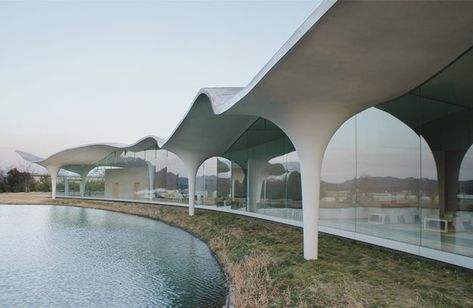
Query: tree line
(22, 181)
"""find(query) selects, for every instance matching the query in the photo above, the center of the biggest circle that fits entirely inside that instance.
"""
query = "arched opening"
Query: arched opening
(220, 182)
(150, 174)
(403, 171)
(171, 181)
(68, 183)
(464, 215)
(372, 178)
(265, 172)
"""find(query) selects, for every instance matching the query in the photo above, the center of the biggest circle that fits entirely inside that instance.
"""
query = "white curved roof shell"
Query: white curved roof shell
(347, 56)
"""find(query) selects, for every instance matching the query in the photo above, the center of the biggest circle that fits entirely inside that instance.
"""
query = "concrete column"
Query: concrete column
(66, 187)
(83, 179)
(53, 171)
(256, 176)
(265, 183)
(310, 129)
(192, 161)
(192, 168)
(311, 165)
(238, 174)
(192, 178)
(448, 170)
(233, 187)
(151, 172)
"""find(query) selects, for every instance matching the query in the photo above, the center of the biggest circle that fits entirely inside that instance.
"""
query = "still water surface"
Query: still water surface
(64, 256)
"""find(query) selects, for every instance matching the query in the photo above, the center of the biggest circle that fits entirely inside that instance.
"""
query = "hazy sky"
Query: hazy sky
(83, 72)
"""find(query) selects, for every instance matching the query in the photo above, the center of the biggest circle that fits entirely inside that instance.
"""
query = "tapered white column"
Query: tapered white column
(53, 171)
(83, 179)
(192, 178)
(66, 187)
(192, 168)
(256, 177)
(192, 161)
(151, 172)
(311, 163)
(310, 130)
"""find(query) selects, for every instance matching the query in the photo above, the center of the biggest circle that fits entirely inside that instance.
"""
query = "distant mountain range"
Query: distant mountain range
(382, 183)
(391, 184)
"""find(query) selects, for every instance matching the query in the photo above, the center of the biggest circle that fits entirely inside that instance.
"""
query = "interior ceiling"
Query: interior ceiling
(441, 107)
(454, 84)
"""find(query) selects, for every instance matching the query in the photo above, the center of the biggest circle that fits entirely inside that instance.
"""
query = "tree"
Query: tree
(18, 181)
(43, 184)
(3, 181)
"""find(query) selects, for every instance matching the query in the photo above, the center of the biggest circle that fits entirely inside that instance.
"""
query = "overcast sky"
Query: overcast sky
(83, 72)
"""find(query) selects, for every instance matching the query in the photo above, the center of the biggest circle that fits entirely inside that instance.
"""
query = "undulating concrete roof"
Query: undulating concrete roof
(347, 56)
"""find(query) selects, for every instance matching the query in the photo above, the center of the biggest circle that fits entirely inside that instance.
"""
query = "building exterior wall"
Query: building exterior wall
(380, 181)
(399, 167)
(126, 183)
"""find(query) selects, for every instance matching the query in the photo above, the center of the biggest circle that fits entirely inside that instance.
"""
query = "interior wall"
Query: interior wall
(128, 180)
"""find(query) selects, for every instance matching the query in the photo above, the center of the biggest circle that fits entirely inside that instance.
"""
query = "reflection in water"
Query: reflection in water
(63, 256)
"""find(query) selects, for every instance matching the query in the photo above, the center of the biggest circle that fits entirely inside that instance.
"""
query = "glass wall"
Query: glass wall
(171, 182)
(143, 174)
(338, 179)
(260, 174)
(388, 173)
(404, 170)
(95, 183)
(214, 182)
(206, 182)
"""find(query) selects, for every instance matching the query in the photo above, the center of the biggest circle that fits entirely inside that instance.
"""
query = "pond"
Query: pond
(66, 256)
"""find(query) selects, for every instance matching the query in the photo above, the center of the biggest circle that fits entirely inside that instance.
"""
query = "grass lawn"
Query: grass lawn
(265, 265)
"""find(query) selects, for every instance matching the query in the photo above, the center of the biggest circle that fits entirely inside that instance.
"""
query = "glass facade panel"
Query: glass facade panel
(447, 219)
(224, 182)
(160, 177)
(200, 185)
(402, 170)
(176, 179)
(238, 187)
(95, 183)
(388, 173)
(147, 174)
(214, 182)
(407, 166)
(265, 172)
(338, 181)
(293, 184)
(371, 177)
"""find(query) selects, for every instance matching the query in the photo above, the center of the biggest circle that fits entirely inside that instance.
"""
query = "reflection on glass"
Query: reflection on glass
(407, 166)
(402, 170)
(146, 174)
(238, 188)
(337, 187)
(388, 172)
(465, 195)
(224, 182)
(213, 182)
(265, 172)
(95, 183)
